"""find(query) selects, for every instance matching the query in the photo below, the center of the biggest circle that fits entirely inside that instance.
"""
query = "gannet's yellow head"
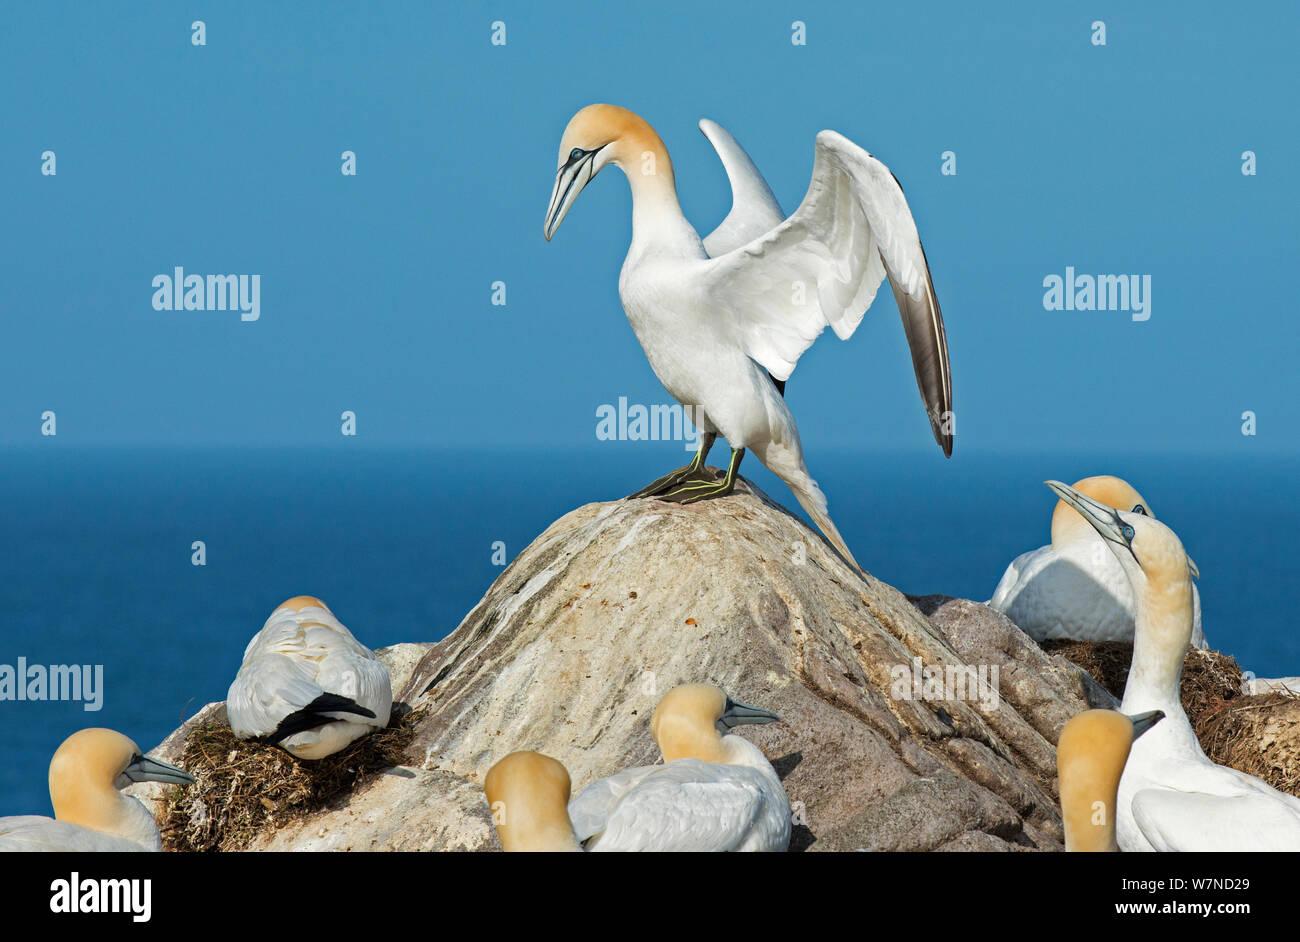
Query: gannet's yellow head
(528, 795)
(89, 768)
(1090, 758)
(596, 136)
(685, 724)
(1068, 524)
(300, 602)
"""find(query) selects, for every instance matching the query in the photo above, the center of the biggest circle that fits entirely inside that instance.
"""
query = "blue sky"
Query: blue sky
(375, 289)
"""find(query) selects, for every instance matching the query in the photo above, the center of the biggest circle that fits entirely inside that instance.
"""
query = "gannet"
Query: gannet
(1073, 588)
(1090, 757)
(714, 792)
(528, 795)
(723, 320)
(1171, 797)
(90, 812)
(307, 684)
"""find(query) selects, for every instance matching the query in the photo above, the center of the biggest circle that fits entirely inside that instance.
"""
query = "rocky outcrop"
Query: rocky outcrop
(888, 739)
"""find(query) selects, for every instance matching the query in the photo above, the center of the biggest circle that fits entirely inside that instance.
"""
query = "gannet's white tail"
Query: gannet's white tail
(787, 464)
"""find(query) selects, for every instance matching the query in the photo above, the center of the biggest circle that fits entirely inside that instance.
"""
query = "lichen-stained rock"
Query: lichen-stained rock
(572, 646)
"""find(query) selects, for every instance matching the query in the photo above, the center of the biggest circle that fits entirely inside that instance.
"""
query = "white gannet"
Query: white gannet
(714, 792)
(1171, 797)
(90, 812)
(528, 795)
(1074, 588)
(1090, 757)
(724, 320)
(306, 684)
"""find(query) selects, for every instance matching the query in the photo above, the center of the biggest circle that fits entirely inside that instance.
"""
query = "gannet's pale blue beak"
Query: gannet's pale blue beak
(1144, 721)
(570, 179)
(738, 714)
(144, 769)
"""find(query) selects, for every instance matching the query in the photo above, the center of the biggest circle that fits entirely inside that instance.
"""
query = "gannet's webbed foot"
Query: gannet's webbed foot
(683, 474)
(706, 485)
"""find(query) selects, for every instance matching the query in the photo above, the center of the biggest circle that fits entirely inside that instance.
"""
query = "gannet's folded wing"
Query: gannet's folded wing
(266, 690)
(822, 267)
(685, 805)
(754, 210)
(1195, 821)
(592, 806)
(32, 833)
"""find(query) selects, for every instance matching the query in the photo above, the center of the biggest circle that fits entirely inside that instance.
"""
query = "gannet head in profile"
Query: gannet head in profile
(528, 795)
(88, 771)
(599, 135)
(1155, 562)
(1068, 525)
(689, 720)
(1090, 758)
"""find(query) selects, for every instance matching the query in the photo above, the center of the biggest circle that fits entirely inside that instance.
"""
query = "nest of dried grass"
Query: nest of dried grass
(1208, 676)
(1259, 735)
(247, 788)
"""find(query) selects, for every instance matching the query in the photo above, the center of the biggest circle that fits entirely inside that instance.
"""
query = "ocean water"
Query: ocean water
(95, 561)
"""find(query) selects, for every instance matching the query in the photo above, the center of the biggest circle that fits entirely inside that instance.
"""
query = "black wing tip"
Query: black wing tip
(312, 716)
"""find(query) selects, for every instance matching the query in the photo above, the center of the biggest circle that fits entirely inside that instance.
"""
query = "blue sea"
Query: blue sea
(95, 563)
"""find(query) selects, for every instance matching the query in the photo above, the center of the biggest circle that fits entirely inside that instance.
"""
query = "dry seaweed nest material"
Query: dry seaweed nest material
(1259, 735)
(246, 788)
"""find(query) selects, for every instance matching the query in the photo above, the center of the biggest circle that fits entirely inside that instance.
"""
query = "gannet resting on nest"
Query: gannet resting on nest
(724, 320)
(714, 792)
(306, 684)
(1090, 759)
(1171, 797)
(90, 812)
(1074, 588)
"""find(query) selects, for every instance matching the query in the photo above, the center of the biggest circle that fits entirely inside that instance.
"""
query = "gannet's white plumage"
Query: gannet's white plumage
(1090, 757)
(90, 812)
(713, 793)
(307, 684)
(1171, 796)
(724, 320)
(1074, 588)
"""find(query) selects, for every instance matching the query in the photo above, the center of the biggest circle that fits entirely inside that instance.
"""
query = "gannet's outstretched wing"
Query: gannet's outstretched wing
(684, 805)
(754, 210)
(822, 267)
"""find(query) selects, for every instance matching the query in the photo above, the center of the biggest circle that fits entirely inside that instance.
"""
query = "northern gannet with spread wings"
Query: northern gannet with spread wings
(724, 320)
(87, 774)
(307, 685)
(1074, 588)
(1171, 796)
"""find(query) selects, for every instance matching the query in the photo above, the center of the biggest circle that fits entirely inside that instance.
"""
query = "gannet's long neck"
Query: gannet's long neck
(657, 218)
(1163, 629)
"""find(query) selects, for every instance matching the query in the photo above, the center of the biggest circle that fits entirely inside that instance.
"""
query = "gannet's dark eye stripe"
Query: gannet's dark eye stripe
(1139, 509)
(576, 154)
(1129, 533)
